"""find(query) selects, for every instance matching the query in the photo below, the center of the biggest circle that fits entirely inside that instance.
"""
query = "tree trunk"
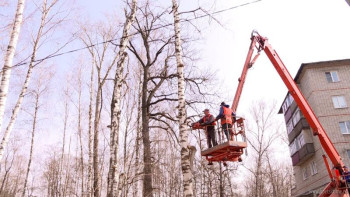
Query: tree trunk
(27, 79)
(221, 184)
(147, 169)
(65, 124)
(6, 70)
(90, 169)
(32, 142)
(113, 181)
(80, 131)
(113, 178)
(185, 160)
(138, 137)
(96, 141)
(67, 178)
(271, 176)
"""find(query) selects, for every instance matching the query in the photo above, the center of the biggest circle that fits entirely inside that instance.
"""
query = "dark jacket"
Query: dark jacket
(347, 176)
(208, 122)
(221, 113)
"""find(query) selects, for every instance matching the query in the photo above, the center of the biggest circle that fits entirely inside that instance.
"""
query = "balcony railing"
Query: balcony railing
(301, 124)
(305, 152)
(288, 114)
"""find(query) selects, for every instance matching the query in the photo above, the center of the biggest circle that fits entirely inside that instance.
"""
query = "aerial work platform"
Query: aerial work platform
(227, 151)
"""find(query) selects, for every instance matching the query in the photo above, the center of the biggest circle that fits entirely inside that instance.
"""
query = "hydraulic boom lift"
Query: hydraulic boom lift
(336, 186)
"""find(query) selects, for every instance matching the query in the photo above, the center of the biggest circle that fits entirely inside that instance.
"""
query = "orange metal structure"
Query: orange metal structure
(230, 150)
(335, 187)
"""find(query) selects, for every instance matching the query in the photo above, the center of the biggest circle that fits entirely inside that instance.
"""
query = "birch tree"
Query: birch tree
(91, 138)
(113, 175)
(45, 10)
(40, 89)
(183, 127)
(6, 69)
(104, 60)
(77, 84)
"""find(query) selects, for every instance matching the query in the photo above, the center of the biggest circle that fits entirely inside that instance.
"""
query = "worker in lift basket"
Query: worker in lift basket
(226, 116)
(346, 175)
(208, 121)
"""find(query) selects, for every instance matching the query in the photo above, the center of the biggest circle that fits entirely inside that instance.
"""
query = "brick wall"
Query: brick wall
(318, 91)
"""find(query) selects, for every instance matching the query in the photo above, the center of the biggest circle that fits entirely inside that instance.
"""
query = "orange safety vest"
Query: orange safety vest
(205, 119)
(227, 116)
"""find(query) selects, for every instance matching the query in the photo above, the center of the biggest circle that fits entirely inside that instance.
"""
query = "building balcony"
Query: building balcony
(301, 124)
(288, 114)
(304, 153)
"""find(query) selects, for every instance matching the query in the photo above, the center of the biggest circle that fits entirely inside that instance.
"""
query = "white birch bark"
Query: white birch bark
(6, 70)
(138, 137)
(26, 82)
(185, 153)
(113, 178)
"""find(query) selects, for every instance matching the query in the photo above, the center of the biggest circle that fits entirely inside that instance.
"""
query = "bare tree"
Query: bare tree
(7, 167)
(148, 92)
(113, 181)
(279, 176)
(103, 64)
(45, 10)
(6, 69)
(77, 84)
(90, 141)
(183, 127)
(264, 132)
(40, 89)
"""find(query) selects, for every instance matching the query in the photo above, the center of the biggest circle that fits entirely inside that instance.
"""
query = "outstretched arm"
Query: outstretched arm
(221, 114)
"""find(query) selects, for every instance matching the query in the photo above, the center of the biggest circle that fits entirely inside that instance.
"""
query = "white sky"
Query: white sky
(300, 31)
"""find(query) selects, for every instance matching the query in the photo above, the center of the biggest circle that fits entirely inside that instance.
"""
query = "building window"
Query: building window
(289, 100)
(348, 151)
(332, 76)
(313, 168)
(345, 127)
(296, 117)
(297, 144)
(292, 148)
(290, 126)
(301, 140)
(339, 101)
(305, 174)
(294, 120)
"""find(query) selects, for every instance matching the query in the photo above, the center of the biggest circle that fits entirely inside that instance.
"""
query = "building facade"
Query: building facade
(326, 87)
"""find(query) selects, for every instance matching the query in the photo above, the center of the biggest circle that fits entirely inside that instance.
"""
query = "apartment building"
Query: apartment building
(326, 87)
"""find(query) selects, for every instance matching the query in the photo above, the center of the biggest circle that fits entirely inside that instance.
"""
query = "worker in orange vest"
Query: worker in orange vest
(226, 115)
(208, 121)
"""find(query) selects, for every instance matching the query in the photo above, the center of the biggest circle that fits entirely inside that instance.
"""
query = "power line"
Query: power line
(111, 40)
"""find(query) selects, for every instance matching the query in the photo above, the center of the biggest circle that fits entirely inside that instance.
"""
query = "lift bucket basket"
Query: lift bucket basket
(230, 150)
